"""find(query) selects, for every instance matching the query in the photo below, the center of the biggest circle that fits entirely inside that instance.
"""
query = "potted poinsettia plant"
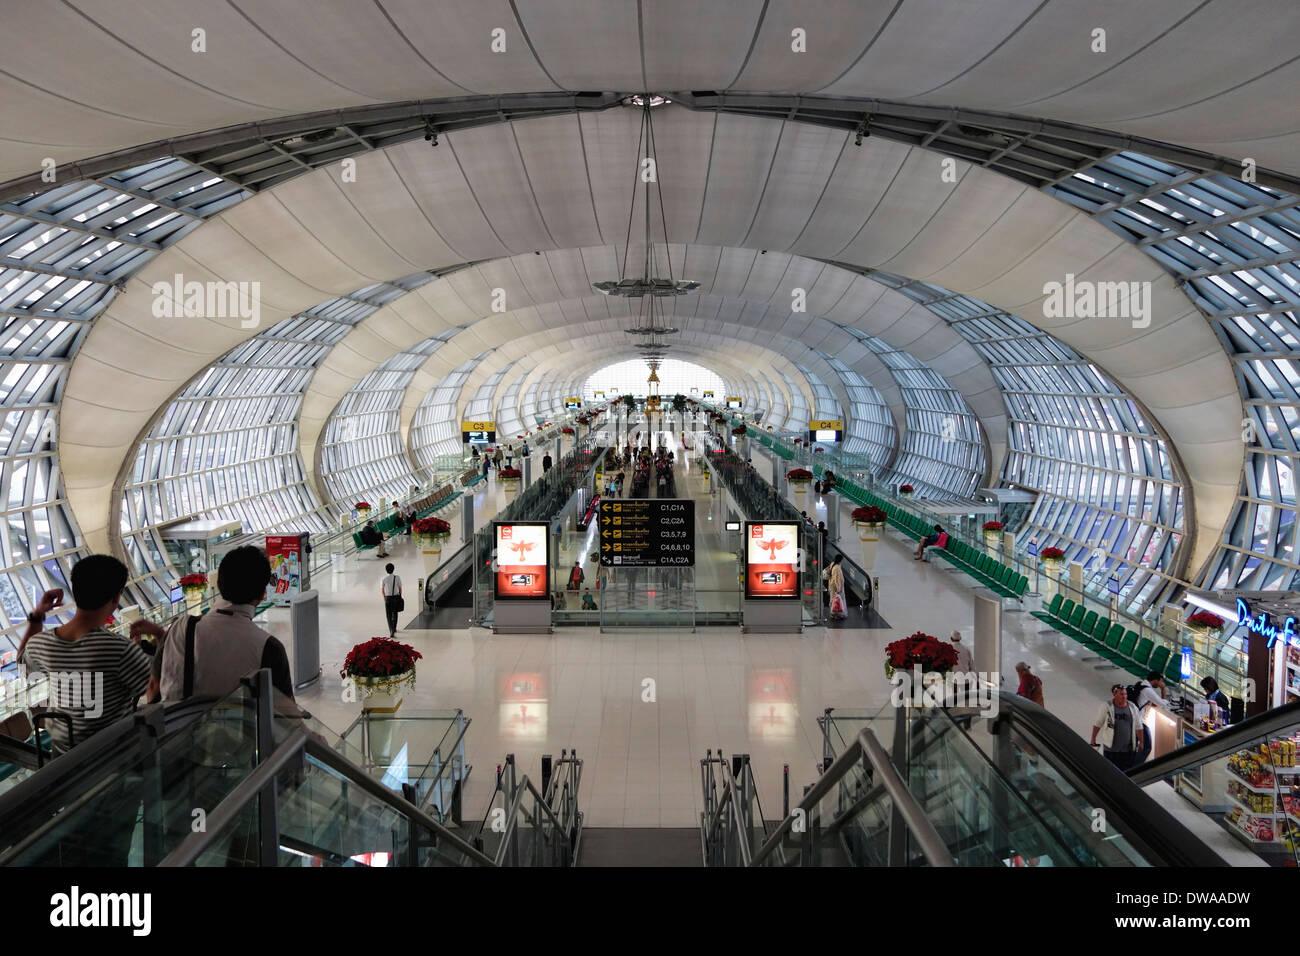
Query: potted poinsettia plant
(906, 490)
(382, 669)
(738, 430)
(869, 520)
(363, 510)
(567, 430)
(925, 650)
(1204, 623)
(194, 587)
(992, 532)
(510, 478)
(430, 533)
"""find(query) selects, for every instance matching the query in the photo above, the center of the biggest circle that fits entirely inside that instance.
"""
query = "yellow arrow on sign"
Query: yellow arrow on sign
(604, 547)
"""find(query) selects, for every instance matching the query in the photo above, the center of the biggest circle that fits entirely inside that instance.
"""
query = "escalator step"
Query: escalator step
(628, 846)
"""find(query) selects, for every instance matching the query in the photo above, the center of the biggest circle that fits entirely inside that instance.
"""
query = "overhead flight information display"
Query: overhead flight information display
(772, 559)
(647, 533)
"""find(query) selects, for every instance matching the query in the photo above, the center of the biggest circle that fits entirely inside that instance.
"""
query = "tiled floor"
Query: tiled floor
(712, 689)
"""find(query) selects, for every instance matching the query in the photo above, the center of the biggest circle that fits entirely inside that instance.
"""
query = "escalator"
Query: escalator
(246, 781)
(1009, 786)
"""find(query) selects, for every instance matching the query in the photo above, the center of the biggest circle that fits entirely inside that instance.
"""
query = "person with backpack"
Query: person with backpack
(1119, 726)
(937, 539)
(1146, 694)
(576, 577)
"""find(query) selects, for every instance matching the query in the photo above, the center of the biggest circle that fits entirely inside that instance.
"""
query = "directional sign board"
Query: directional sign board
(647, 532)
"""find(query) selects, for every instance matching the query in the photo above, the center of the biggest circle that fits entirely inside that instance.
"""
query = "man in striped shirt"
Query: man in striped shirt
(95, 676)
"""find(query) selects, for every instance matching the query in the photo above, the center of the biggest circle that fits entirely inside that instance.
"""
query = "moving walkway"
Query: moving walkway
(1009, 785)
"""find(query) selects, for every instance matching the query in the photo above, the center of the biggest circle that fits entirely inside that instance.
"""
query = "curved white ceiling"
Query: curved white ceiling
(85, 77)
(565, 183)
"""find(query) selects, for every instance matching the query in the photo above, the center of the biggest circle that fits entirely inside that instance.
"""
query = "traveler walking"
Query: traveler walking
(965, 659)
(1031, 687)
(391, 589)
(576, 576)
(546, 463)
(834, 576)
(1119, 726)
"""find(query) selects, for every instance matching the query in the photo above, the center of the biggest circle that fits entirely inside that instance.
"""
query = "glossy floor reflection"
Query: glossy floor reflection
(641, 708)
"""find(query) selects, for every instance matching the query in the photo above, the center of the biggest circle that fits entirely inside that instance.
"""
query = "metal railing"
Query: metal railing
(865, 753)
(524, 826)
(731, 824)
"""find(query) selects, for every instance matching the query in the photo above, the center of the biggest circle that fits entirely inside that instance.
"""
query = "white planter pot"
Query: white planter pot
(194, 598)
(383, 695)
(869, 538)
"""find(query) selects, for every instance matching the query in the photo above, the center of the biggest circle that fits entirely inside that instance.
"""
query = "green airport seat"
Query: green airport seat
(1123, 652)
(1067, 608)
(1142, 653)
(1159, 658)
(1085, 626)
(1114, 636)
(1174, 669)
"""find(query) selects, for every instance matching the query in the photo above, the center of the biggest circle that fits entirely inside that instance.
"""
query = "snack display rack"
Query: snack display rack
(1263, 795)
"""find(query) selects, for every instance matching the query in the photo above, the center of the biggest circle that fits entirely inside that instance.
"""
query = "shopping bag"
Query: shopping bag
(837, 605)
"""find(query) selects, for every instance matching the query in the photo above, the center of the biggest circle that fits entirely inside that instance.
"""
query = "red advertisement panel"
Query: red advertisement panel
(521, 561)
(772, 559)
(284, 551)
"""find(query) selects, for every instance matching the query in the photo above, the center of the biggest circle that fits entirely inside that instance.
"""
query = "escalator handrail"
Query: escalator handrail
(730, 795)
(1147, 825)
(1220, 743)
(364, 781)
(866, 747)
(524, 787)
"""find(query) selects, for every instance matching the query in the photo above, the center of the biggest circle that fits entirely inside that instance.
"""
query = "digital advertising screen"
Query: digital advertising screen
(772, 560)
(826, 435)
(522, 561)
(733, 401)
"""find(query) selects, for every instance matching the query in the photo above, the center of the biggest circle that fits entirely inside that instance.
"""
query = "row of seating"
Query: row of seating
(1123, 648)
(430, 504)
(994, 575)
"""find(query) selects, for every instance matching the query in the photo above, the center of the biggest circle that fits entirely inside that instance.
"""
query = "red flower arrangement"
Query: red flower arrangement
(567, 430)
(921, 648)
(819, 450)
(434, 527)
(1052, 554)
(509, 473)
(993, 526)
(1205, 619)
(738, 430)
(362, 506)
(868, 514)
(380, 657)
(799, 474)
(194, 581)
(905, 489)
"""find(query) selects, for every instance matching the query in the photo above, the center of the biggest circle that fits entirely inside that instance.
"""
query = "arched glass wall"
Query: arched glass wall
(64, 255)
(1235, 248)
(870, 428)
(227, 446)
(1107, 492)
(674, 376)
(362, 452)
(435, 429)
(943, 448)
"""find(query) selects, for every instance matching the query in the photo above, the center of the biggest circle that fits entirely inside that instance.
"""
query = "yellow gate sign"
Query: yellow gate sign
(826, 425)
(478, 426)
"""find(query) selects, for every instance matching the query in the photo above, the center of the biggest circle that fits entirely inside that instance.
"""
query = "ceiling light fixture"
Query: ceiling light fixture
(652, 285)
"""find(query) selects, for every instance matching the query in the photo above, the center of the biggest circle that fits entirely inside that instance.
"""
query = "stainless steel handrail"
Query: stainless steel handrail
(866, 747)
(525, 786)
(730, 798)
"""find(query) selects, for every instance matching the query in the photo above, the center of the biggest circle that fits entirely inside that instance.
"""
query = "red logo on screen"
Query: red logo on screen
(505, 532)
(756, 531)
(772, 546)
(521, 548)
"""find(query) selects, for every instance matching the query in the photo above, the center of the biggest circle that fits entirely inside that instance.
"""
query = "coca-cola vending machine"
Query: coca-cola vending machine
(290, 567)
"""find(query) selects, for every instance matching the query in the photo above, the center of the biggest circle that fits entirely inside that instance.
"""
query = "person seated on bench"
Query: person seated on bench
(938, 539)
(373, 537)
(588, 601)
